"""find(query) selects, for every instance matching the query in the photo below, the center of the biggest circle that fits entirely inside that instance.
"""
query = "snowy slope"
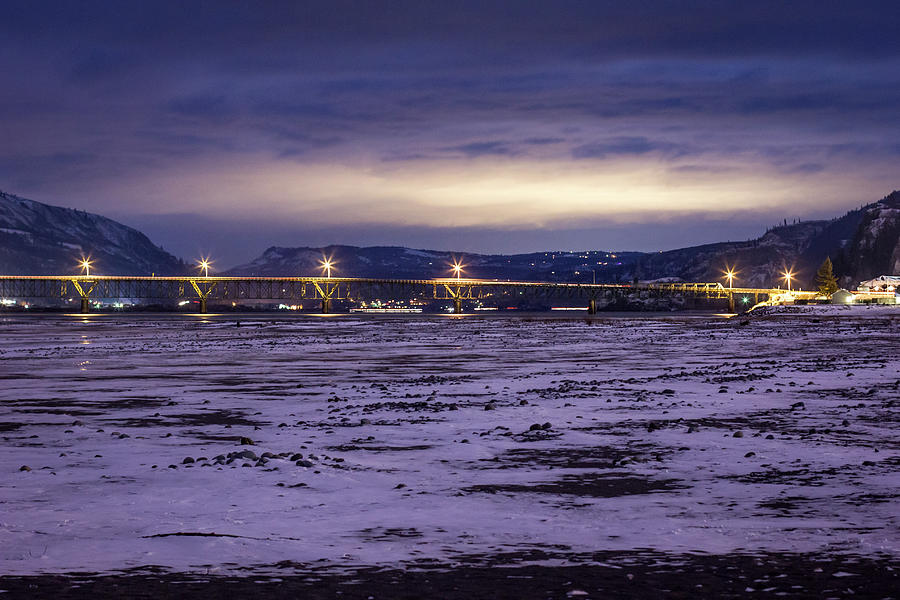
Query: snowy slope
(37, 239)
(875, 249)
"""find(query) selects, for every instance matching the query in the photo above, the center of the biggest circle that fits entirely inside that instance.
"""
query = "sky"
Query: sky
(225, 127)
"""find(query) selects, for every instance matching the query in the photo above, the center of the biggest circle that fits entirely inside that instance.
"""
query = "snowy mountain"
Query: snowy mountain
(406, 263)
(39, 239)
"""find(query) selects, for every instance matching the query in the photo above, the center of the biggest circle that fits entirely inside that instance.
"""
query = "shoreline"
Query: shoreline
(630, 575)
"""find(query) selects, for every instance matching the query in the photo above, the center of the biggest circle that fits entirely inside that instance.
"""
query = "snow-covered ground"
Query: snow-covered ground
(441, 437)
(831, 310)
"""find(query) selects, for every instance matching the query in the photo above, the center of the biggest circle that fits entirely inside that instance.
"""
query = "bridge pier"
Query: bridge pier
(592, 307)
(457, 306)
(326, 305)
(731, 302)
(202, 292)
(84, 292)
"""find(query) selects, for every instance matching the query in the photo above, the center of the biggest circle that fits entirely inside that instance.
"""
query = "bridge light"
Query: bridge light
(457, 268)
(788, 275)
(729, 274)
(326, 264)
(203, 265)
(85, 265)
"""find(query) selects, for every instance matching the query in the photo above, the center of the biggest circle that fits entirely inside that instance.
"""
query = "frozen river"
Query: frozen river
(226, 443)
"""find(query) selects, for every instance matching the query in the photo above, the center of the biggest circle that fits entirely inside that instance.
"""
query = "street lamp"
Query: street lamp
(203, 265)
(85, 266)
(326, 266)
(457, 268)
(788, 275)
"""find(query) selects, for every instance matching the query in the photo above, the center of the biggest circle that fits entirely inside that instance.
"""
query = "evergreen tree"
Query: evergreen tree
(841, 267)
(825, 278)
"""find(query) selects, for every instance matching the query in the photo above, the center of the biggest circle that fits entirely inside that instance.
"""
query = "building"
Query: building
(882, 283)
(843, 297)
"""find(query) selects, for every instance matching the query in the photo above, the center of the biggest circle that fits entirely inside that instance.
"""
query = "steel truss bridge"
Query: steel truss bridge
(328, 289)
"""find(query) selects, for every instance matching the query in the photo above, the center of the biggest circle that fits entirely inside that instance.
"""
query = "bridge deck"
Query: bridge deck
(438, 281)
(327, 289)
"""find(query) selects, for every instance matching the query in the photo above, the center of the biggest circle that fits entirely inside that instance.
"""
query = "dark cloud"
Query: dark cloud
(97, 92)
(474, 149)
(543, 141)
(96, 64)
(522, 28)
(201, 105)
(797, 103)
(625, 146)
(27, 170)
(180, 143)
(806, 168)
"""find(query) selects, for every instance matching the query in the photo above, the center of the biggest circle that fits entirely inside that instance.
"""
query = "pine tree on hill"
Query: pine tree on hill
(825, 278)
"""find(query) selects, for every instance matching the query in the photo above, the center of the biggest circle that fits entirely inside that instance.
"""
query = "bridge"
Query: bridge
(326, 290)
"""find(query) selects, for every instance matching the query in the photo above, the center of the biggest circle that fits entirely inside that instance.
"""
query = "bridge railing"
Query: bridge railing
(327, 289)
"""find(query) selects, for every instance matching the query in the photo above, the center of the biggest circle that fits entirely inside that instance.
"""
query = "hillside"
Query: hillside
(407, 263)
(800, 247)
(39, 239)
(862, 243)
(875, 247)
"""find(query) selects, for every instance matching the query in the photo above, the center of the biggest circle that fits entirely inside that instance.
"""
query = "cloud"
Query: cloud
(25, 171)
(210, 105)
(476, 149)
(543, 141)
(355, 112)
(806, 168)
(625, 146)
(97, 64)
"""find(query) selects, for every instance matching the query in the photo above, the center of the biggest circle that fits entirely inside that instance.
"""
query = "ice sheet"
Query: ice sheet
(427, 438)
